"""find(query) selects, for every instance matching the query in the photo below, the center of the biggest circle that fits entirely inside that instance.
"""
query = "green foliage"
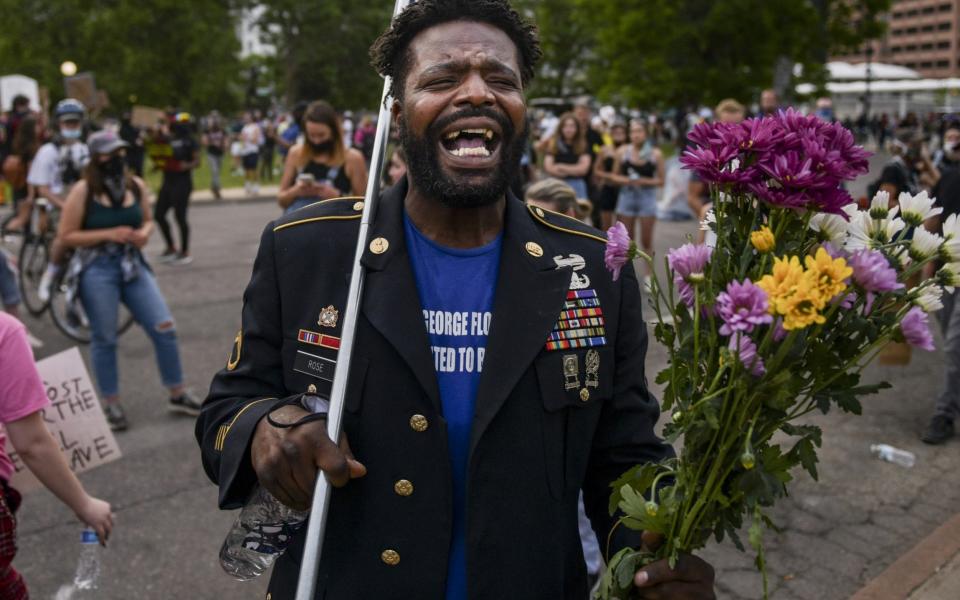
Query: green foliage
(162, 52)
(690, 51)
(323, 49)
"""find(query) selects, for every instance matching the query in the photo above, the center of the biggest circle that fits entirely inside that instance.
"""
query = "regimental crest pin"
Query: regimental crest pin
(571, 371)
(592, 366)
(328, 317)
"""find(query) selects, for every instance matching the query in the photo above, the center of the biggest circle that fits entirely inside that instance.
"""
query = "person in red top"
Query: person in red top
(22, 400)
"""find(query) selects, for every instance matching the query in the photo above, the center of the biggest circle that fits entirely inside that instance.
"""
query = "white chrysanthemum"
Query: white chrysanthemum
(951, 233)
(833, 227)
(928, 298)
(917, 209)
(949, 276)
(708, 219)
(859, 231)
(924, 244)
(880, 205)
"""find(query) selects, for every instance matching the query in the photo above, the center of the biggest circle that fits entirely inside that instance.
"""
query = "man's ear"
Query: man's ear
(395, 112)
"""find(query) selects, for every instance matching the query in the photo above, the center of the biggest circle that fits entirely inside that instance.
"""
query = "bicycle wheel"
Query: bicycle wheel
(34, 255)
(71, 319)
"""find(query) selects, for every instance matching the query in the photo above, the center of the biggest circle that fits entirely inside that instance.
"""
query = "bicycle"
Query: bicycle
(66, 311)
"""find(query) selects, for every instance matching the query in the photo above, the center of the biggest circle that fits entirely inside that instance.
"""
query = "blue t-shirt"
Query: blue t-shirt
(456, 289)
(289, 135)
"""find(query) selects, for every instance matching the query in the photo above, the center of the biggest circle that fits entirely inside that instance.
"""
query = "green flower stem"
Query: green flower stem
(696, 339)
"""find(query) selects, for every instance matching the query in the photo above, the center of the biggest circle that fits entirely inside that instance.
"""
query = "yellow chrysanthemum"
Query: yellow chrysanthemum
(802, 307)
(829, 273)
(782, 283)
(763, 240)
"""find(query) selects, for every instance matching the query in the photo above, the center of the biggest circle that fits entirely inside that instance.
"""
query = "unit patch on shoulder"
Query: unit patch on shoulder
(234, 359)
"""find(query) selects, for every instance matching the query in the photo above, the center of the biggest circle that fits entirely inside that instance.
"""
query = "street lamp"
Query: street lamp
(68, 68)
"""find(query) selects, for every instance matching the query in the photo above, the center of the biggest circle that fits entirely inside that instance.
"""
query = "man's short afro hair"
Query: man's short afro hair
(390, 52)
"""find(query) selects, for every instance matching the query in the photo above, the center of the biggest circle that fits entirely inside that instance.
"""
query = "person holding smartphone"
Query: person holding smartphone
(322, 167)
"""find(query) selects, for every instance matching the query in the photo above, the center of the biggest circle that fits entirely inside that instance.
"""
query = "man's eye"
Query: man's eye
(440, 82)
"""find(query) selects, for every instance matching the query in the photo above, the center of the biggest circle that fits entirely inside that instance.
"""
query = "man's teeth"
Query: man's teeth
(486, 133)
(478, 151)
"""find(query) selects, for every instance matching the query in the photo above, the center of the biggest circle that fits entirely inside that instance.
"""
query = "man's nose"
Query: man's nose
(475, 91)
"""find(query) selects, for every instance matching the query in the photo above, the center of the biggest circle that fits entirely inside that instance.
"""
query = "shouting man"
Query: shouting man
(498, 369)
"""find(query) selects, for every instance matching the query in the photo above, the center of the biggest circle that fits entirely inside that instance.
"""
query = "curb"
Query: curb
(918, 565)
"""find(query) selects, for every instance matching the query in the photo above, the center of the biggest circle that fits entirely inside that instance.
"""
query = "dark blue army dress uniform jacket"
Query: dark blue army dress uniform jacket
(562, 405)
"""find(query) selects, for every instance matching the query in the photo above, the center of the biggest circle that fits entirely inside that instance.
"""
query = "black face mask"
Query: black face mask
(114, 182)
(321, 148)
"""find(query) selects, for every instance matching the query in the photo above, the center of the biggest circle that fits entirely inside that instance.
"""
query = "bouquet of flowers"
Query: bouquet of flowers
(773, 321)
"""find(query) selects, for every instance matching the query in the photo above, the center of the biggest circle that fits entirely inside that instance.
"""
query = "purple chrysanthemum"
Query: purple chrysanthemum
(915, 327)
(688, 263)
(742, 307)
(873, 273)
(746, 352)
(617, 252)
(779, 333)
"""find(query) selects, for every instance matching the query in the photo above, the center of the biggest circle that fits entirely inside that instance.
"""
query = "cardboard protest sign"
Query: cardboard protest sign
(146, 117)
(74, 417)
(83, 87)
(18, 85)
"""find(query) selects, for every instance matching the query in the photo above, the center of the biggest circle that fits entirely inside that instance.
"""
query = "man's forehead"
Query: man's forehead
(456, 41)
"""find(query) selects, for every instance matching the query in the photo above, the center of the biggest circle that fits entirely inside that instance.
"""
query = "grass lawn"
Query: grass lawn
(201, 175)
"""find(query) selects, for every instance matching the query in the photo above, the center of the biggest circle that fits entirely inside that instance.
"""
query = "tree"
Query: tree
(322, 49)
(688, 52)
(162, 52)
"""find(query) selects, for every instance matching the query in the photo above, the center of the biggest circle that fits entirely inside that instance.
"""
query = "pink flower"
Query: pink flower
(746, 352)
(742, 307)
(619, 249)
(915, 327)
(688, 263)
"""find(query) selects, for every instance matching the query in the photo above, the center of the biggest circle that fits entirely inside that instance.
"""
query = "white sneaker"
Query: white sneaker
(35, 342)
(182, 259)
(46, 282)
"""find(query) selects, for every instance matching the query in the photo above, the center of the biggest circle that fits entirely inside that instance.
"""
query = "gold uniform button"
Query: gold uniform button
(390, 557)
(419, 423)
(358, 206)
(539, 211)
(269, 596)
(379, 245)
(584, 394)
(311, 389)
(403, 487)
(534, 249)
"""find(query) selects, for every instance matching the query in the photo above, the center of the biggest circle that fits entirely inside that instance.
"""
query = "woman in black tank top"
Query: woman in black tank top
(106, 219)
(603, 168)
(321, 167)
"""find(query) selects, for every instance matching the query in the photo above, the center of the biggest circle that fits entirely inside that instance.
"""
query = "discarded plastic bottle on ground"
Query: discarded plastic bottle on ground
(893, 455)
(260, 534)
(88, 566)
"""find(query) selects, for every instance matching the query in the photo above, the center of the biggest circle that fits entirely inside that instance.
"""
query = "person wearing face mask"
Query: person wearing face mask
(176, 189)
(322, 167)
(57, 165)
(947, 157)
(106, 219)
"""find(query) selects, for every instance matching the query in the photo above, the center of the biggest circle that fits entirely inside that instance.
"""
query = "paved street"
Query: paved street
(836, 535)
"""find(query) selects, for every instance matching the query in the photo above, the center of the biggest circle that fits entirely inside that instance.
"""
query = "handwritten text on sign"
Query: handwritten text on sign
(74, 417)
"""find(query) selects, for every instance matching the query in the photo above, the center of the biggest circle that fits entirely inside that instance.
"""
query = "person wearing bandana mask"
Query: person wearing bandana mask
(107, 221)
(322, 167)
(947, 157)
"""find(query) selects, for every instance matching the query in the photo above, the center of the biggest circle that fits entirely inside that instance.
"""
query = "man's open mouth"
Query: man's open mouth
(480, 142)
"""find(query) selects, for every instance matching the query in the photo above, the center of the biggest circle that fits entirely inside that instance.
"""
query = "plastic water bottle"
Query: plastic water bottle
(260, 534)
(893, 455)
(88, 567)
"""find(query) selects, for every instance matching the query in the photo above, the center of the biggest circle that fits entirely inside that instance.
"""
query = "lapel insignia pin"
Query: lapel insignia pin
(592, 363)
(534, 249)
(379, 245)
(328, 317)
(584, 395)
(571, 371)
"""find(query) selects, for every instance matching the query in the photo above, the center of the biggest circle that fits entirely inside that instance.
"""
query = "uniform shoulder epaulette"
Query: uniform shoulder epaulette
(566, 224)
(333, 209)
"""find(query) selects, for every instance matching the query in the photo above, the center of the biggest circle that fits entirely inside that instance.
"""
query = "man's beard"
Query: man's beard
(423, 162)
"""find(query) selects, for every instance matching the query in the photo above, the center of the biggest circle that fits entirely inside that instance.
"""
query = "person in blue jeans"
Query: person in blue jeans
(106, 219)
